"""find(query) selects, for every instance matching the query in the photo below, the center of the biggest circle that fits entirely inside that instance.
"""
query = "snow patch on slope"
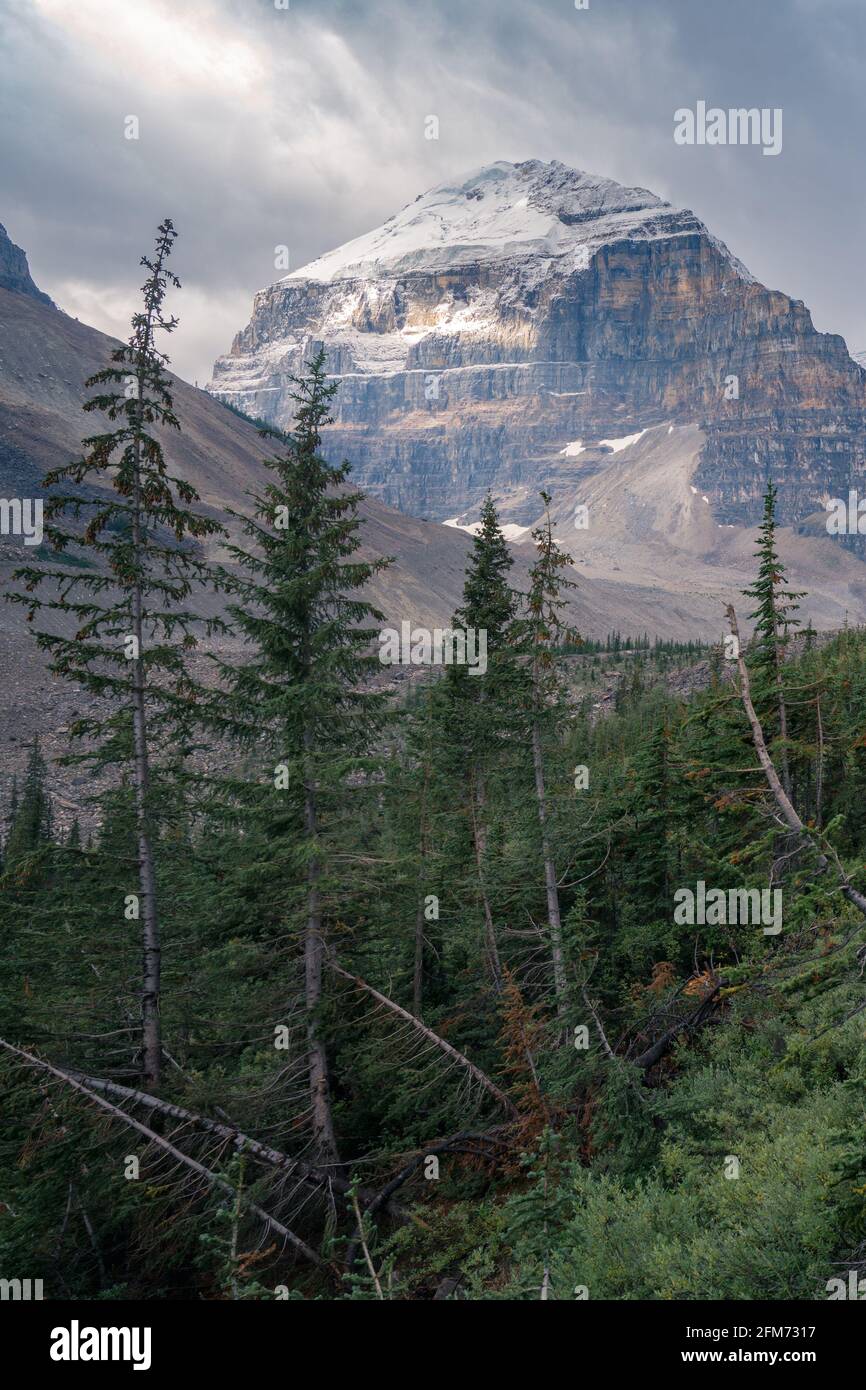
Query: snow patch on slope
(577, 446)
(510, 531)
(625, 442)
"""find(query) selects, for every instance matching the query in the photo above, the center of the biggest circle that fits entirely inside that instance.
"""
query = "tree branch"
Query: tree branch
(152, 1138)
(244, 1143)
(476, 1072)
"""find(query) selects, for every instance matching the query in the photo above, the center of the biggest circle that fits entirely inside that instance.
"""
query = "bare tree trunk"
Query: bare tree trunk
(177, 1154)
(553, 914)
(478, 803)
(803, 837)
(324, 1139)
(315, 1177)
(783, 712)
(682, 1028)
(373, 1275)
(418, 970)
(151, 1028)
(783, 801)
(434, 1038)
(819, 767)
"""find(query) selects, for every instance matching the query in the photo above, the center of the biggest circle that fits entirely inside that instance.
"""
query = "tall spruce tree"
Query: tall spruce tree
(774, 613)
(542, 630)
(478, 709)
(137, 565)
(296, 600)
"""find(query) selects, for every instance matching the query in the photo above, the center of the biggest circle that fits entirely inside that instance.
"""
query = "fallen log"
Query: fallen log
(271, 1221)
(478, 1075)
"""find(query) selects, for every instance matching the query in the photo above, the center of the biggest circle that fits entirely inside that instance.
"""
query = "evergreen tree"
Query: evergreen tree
(30, 820)
(477, 711)
(541, 631)
(297, 603)
(774, 613)
(616, 1160)
(133, 626)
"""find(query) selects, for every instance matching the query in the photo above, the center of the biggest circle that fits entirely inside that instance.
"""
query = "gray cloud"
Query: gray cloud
(305, 127)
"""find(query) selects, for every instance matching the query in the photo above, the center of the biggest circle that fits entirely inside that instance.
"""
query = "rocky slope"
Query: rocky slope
(631, 510)
(502, 317)
(45, 358)
(14, 270)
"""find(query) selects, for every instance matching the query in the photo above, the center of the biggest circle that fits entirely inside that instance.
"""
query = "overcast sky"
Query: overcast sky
(262, 126)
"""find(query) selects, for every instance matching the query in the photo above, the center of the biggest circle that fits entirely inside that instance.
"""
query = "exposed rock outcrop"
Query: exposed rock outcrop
(15, 272)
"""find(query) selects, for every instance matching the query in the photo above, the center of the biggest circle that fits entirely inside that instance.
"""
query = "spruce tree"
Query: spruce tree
(542, 630)
(774, 617)
(130, 530)
(30, 820)
(478, 709)
(296, 600)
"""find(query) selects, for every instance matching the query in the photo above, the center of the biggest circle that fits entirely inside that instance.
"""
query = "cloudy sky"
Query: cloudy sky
(304, 126)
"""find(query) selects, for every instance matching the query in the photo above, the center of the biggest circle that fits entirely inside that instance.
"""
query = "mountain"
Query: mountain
(45, 359)
(654, 559)
(505, 317)
(14, 270)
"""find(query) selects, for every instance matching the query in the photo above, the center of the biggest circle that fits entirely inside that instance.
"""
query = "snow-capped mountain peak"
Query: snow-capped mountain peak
(499, 212)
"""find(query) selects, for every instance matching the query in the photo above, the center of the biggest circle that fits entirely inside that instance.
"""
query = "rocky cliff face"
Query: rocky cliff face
(15, 272)
(527, 308)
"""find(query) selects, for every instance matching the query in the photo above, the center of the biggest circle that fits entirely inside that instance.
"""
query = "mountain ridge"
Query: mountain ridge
(511, 211)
